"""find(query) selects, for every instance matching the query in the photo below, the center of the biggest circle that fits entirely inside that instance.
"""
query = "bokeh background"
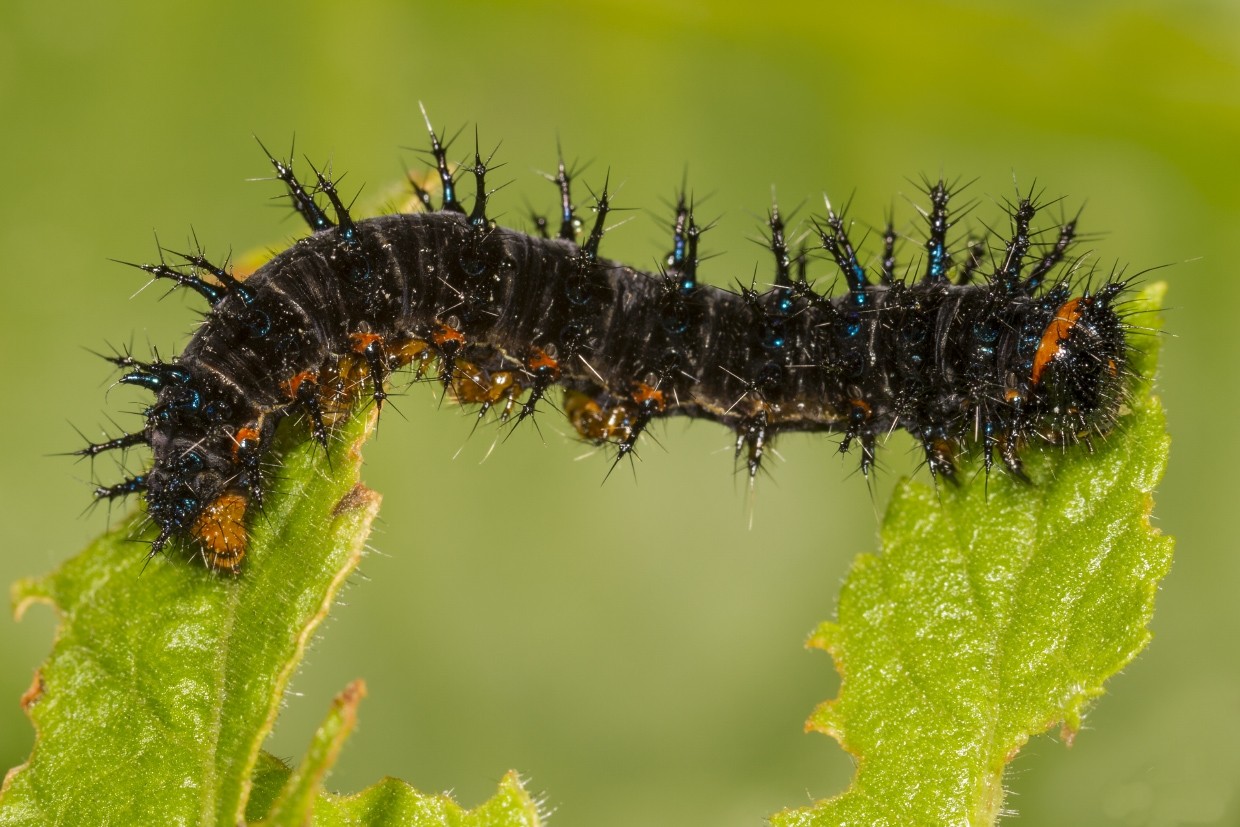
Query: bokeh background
(634, 648)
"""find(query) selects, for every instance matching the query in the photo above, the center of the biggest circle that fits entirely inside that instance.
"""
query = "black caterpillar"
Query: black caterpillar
(977, 346)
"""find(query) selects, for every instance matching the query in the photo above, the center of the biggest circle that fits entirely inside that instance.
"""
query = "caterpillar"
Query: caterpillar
(969, 346)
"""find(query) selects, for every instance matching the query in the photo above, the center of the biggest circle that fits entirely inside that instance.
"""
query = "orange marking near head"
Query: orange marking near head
(293, 385)
(444, 334)
(643, 393)
(220, 528)
(539, 359)
(361, 341)
(1056, 333)
(240, 437)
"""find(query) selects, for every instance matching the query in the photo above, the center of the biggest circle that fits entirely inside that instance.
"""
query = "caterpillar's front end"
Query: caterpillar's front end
(200, 480)
(191, 492)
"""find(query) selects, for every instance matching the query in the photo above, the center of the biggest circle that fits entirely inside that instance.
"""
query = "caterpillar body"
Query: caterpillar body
(970, 346)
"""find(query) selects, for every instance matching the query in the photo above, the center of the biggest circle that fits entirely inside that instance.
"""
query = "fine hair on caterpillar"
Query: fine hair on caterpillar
(988, 344)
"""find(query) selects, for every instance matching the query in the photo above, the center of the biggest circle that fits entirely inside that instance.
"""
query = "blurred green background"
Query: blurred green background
(633, 648)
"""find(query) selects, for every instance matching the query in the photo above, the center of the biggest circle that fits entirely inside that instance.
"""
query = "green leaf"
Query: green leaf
(165, 678)
(294, 806)
(995, 612)
(393, 803)
(292, 798)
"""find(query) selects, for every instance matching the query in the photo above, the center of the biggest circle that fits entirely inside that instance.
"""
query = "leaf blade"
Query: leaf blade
(165, 678)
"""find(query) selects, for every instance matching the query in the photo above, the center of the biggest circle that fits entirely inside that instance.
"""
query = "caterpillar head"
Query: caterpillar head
(192, 489)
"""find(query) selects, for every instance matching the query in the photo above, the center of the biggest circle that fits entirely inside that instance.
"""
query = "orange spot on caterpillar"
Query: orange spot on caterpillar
(444, 334)
(243, 440)
(361, 341)
(644, 394)
(1055, 334)
(294, 384)
(540, 360)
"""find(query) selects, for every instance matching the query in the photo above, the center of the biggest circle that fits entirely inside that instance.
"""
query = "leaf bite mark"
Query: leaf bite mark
(26, 593)
(32, 695)
(296, 802)
(358, 498)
